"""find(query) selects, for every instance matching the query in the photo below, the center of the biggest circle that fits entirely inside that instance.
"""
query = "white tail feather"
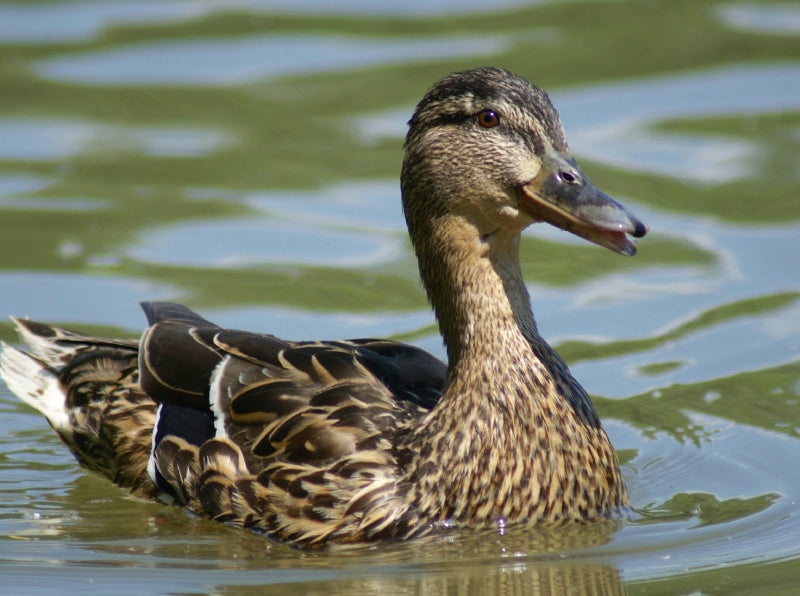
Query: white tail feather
(46, 348)
(35, 384)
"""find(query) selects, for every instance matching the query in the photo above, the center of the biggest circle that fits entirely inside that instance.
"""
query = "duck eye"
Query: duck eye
(488, 118)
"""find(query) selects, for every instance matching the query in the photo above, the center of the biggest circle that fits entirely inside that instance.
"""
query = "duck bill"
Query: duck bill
(563, 196)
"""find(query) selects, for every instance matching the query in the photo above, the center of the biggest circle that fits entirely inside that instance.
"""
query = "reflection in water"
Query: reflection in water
(559, 560)
(531, 561)
(478, 579)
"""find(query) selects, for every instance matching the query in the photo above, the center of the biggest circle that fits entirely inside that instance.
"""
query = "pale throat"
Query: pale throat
(477, 289)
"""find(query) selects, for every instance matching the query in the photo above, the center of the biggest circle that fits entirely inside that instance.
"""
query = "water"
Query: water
(243, 159)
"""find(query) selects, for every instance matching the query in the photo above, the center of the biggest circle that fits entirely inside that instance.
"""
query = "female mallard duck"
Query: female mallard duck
(341, 442)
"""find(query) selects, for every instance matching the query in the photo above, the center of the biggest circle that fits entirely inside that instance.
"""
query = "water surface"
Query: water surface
(244, 158)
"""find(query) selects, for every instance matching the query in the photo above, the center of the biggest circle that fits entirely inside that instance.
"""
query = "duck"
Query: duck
(317, 444)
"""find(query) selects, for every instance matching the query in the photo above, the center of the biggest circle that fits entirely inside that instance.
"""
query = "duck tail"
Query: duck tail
(88, 390)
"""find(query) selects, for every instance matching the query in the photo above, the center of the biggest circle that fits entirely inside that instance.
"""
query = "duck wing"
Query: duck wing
(180, 350)
(294, 438)
(258, 380)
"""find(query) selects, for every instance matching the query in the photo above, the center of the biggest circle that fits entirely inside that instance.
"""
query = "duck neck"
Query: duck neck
(513, 430)
(477, 291)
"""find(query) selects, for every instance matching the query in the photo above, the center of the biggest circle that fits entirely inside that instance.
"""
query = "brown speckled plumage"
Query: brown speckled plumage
(342, 442)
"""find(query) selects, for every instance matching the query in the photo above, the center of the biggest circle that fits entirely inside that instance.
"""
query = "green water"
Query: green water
(243, 159)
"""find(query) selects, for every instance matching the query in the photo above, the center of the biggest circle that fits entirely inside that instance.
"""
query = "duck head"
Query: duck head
(486, 147)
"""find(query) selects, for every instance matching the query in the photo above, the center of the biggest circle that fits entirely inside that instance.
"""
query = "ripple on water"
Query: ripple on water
(206, 243)
(694, 515)
(32, 139)
(298, 324)
(709, 316)
(369, 205)
(45, 23)
(779, 18)
(31, 294)
(244, 59)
